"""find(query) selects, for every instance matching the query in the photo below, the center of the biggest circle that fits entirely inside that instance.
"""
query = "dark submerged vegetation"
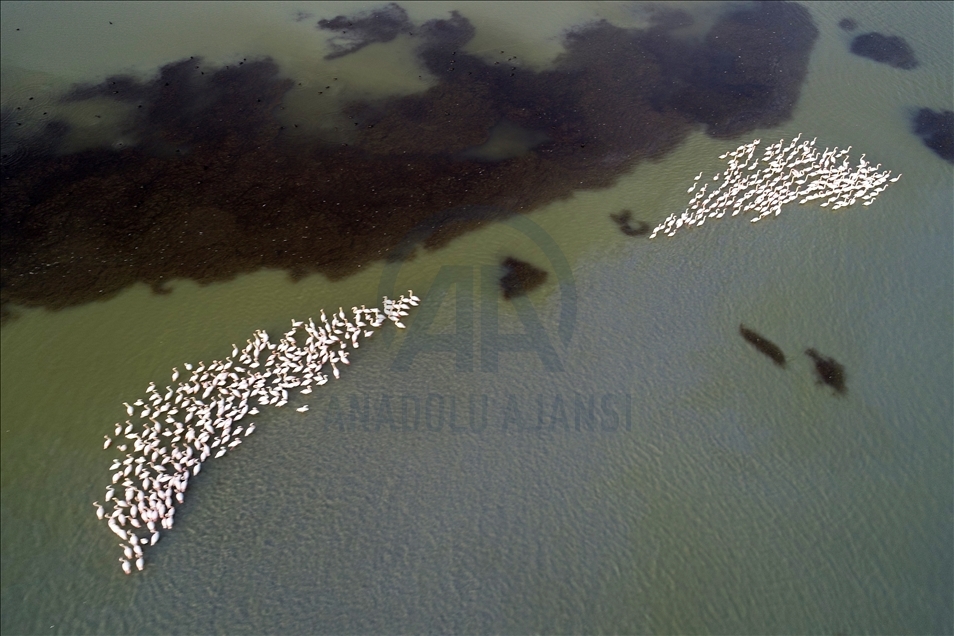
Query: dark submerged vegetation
(885, 49)
(622, 220)
(520, 278)
(764, 345)
(936, 130)
(356, 32)
(847, 24)
(828, 371)
(215, 186)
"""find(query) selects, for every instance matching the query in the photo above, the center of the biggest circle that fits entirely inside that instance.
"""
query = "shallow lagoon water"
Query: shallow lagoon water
(738, 497)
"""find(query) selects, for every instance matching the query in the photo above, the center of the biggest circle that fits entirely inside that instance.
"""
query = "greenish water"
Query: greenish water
(736, 498)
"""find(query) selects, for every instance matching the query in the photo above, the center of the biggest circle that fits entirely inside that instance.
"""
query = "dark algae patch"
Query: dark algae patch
(216, 184)
(623, 220)
(521, 278)
(828, 371)
(936, 130)
(886, 49)
(764, 345)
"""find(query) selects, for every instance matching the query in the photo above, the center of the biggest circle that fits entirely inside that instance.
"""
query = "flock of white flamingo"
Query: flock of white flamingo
(784, 174)
(172, 432)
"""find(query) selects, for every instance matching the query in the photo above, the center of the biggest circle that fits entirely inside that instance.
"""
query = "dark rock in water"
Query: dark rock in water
(767, 347)
(828, 370)
(887, 49)
(623, 218)
(847, 24)
(521, 277)
(936, 129)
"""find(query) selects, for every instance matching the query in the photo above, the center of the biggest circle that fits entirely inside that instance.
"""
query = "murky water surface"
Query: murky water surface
(636, 467)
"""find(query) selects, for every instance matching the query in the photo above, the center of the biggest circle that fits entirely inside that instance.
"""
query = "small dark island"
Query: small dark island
(764, 345)
(886, 49)
(521, 277)
(936, 130)
(622, 220)
(828, 370)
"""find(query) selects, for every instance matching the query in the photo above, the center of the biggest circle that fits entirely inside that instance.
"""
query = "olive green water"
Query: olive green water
(737, 497)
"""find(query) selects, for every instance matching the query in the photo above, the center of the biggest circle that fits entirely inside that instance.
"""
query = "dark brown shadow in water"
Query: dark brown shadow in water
(892, 50)
(828, 371)
(520, 278)
(847, 24)
(216, 186)
(764, 345)
(623, 220)
(936, 130)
